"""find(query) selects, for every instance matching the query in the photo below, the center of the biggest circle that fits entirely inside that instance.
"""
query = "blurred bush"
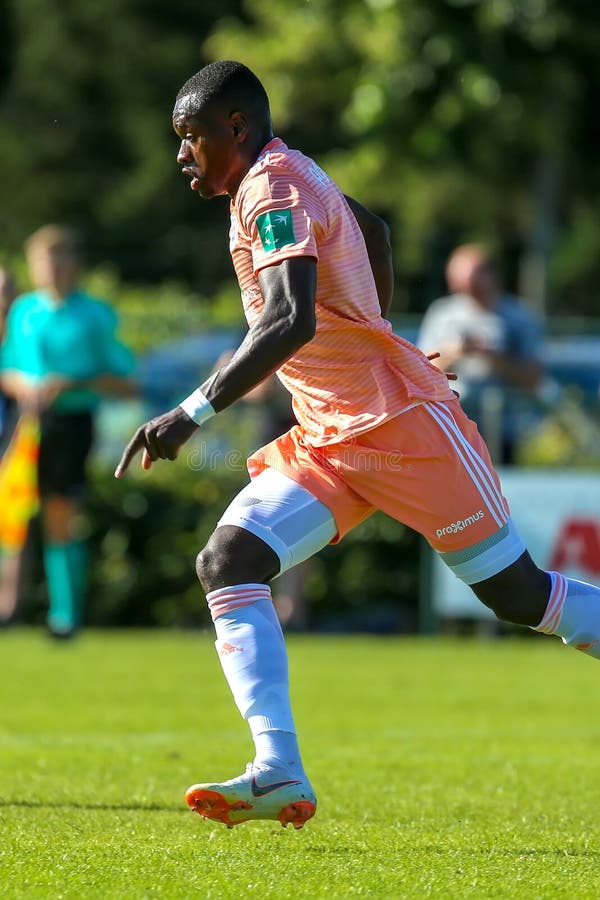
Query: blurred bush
(456, 119)
(146, 530)
(162, 313)
(567, 435)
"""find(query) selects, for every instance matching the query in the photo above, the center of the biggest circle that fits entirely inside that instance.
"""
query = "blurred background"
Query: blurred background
(457, 121)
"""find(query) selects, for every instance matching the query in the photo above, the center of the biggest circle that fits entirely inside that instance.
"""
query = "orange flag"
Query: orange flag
(19, 496)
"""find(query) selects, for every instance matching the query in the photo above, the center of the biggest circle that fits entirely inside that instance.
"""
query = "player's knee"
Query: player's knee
(211, 564)
(202, 563)
(234, 556)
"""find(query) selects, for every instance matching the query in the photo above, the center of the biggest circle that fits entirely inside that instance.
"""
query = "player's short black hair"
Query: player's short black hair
(227, 82)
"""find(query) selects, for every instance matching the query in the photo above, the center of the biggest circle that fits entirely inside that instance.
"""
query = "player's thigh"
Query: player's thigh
(283, 515)
(430, 469)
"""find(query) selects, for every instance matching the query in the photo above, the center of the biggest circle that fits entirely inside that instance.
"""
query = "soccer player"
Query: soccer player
(59, 354)
(378, 428)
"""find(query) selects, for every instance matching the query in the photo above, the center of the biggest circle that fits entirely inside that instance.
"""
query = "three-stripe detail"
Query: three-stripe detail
(476, 467)
(558, 592)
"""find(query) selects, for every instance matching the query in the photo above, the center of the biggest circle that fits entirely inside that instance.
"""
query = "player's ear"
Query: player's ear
(239, 126)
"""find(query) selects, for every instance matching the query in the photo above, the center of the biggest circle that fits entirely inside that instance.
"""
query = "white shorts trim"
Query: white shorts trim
(283, 514)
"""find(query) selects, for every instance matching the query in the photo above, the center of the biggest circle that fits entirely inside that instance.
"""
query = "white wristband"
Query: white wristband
(198, 408)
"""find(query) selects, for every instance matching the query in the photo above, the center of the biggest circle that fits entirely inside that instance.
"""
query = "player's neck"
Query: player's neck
(57, 294)
(253, 151)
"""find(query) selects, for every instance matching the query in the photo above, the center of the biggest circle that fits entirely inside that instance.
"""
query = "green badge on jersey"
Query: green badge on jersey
(276, 229)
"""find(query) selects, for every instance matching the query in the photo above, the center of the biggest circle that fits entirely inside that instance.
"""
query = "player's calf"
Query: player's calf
(518, 594)
(548, 602)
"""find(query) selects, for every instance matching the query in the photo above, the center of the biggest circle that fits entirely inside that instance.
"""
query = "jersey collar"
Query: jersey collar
(274, 144)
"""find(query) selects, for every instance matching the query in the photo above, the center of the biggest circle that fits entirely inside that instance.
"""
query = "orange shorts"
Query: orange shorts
(428, 468)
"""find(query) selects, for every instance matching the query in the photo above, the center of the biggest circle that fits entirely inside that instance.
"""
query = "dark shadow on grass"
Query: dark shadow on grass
(336, 850)
(519, 852)
(555, 851)
(113, 807)
(560, 853)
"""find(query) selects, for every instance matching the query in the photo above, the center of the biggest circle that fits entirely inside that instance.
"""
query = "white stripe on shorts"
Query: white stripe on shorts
(475, 466)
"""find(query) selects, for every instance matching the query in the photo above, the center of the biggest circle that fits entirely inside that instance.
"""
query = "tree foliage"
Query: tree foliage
(457, 119)
(85, 99)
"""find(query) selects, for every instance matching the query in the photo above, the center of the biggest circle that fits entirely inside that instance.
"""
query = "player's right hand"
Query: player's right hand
(160, 438)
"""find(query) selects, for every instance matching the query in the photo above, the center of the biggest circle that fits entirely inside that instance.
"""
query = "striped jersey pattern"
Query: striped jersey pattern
(355, 373)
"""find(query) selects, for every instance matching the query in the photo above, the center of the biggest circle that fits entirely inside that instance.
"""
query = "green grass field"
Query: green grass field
(444, 768)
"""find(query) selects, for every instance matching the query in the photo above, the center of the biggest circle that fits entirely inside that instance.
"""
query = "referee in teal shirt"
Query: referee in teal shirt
(59, 355)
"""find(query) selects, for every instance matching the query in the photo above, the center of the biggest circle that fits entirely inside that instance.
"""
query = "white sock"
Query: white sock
(253, 656)
(573, 612)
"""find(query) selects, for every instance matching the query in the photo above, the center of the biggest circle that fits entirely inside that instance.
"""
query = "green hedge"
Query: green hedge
(145, 531)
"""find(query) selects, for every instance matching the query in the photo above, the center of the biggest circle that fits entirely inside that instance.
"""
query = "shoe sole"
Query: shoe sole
(214, 805)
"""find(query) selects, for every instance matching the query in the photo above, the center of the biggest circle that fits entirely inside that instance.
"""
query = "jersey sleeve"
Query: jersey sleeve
(11, 355)
(114, 356)
(527, 336)
(282, 218)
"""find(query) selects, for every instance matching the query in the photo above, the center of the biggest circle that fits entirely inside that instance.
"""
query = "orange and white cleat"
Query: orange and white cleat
(262, 792)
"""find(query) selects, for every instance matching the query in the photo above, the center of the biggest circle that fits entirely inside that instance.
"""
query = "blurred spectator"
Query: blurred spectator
(491, 340)
(10, 563)
(8, 293)
(59, 354)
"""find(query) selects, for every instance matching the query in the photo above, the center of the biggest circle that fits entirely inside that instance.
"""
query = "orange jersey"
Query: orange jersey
(355, 373)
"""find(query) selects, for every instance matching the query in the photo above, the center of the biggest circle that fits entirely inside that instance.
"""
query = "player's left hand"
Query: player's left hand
(51, 388)
(160, 438)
